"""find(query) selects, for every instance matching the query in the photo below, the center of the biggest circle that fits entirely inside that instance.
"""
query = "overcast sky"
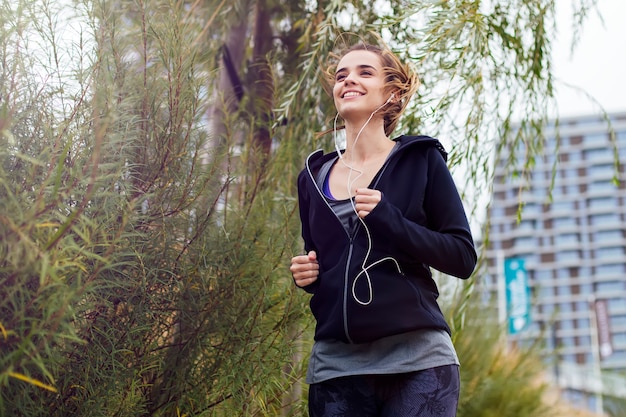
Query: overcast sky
(598, 64)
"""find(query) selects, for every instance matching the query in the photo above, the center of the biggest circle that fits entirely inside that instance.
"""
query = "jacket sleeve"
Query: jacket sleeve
(445, 243)
(303, 207)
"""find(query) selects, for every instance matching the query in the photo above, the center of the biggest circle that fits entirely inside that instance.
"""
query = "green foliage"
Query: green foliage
(144, 251)
(141, 275)
(496, 380)
(615, 406)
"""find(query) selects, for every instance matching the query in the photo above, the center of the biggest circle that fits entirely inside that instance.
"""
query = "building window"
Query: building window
(615, 304)
(585, 273)
(539, 193)
(566, 239)
(563, 222)
(497, 212)
(547, 309)
(621, 143)
(582, 323)
(605, 185)
(542, 275)
(563, 273)
(532, 259)
(568, 255)
(609, 253)
(583, 305)
(609, 269)
(599, 219)
(557, 192)
(525, 242)
(546, 292)
(527, 225)
(562, 206)
(565, 307)
(619, 338)
(598, 154)
(574, 156)
(608, 235)
(617, 357)
(604, 170)
(584, 341)
(604, 202)
(531, 208)
(573, 189)
(618, 321)
(564, 290)
(610, 287)
(598, 139)
(570, 173)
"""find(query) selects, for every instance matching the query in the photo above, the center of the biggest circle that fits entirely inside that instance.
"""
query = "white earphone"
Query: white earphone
(364, 266)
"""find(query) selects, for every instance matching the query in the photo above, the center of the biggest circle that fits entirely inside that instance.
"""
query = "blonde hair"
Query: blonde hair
(400, 77)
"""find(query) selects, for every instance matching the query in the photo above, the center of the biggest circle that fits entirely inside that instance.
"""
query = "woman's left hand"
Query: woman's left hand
(365, 200)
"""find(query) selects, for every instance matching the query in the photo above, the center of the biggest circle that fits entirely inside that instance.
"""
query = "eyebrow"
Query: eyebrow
(362, 66)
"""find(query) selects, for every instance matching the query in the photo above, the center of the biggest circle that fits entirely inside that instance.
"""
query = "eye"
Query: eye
(340, 77)
(366, 73)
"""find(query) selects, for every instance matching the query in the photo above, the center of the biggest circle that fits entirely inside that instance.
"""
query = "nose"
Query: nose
(350, 78)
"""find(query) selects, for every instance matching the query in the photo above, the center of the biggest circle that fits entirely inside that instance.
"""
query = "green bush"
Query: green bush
(142, 270)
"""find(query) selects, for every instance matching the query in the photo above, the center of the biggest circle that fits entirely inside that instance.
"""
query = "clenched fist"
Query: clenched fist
(304, 269)
(366, 200)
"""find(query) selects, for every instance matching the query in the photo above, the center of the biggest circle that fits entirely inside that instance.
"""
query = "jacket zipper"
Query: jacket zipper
(346, 284)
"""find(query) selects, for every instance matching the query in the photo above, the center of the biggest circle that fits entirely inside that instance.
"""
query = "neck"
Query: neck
(363, 143)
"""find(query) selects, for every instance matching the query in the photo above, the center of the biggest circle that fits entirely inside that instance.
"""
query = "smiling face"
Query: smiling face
(370, 74)
(359, 87)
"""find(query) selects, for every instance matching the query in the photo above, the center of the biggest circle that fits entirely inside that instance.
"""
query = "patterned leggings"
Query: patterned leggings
(429, 393)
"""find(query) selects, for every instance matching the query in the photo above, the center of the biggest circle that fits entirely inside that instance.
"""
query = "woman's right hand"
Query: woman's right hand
(304, 269)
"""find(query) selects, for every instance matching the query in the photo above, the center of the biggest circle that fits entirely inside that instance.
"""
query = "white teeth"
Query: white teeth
(351, 94)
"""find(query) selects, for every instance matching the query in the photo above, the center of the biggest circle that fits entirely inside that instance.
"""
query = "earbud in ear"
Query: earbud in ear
(391, 97)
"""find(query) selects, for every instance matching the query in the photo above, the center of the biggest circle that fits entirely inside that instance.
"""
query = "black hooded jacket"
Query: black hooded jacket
(419, 223)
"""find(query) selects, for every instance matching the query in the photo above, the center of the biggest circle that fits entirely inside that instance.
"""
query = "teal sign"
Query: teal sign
(517, 295)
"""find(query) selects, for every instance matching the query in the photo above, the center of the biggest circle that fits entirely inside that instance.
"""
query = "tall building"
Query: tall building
(571, 235)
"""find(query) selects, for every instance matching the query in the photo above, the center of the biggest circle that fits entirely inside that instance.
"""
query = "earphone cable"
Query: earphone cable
(364, 267)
